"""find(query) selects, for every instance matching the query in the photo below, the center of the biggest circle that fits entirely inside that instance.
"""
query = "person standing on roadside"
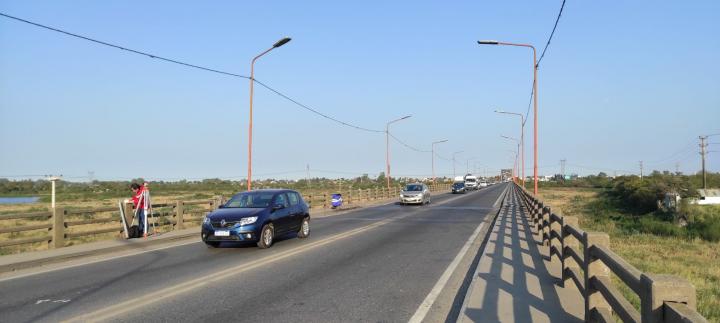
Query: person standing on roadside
(139, 205)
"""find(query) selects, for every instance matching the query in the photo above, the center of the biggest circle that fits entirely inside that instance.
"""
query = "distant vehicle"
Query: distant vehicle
(416, 193)
(458, 187)
(257, 216)
(471, 182)
(483, 184)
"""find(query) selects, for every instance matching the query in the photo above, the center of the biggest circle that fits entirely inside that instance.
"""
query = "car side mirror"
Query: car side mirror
(278, 207)
(222, 206)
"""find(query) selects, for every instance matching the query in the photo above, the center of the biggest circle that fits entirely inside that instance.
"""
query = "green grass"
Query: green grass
(652, 242)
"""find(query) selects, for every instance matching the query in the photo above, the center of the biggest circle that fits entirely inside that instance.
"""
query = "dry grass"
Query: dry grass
(320, 199)
(693, 259)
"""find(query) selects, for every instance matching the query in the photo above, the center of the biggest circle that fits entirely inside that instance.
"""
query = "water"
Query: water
(19, 200)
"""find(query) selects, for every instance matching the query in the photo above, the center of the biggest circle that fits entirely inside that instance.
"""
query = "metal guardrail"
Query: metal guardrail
(58, 224)
(587, 261)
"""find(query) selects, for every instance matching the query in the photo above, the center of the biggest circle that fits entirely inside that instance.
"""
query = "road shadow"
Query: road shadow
(513, 283)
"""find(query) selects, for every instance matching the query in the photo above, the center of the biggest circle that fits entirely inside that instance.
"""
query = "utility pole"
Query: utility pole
(307, 176)
(641, 170)
(703, 145)
(562, 167)
(53, 179)
(677, 168)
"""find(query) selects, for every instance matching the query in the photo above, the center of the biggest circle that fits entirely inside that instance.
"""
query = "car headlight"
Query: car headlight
(248, 220)
(402, 195)
(206, 220)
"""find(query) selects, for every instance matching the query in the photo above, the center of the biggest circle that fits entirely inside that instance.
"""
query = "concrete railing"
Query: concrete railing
(61, 224)
(57, 227)
(587, 261)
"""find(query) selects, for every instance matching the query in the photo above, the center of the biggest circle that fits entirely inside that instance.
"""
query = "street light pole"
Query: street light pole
(517, 153)
(387, 147)
(535, 109)
(250, 125)
(522, 140)
(453, 160)
(432, 152)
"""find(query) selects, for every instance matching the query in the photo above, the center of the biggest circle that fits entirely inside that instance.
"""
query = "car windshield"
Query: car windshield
(413, 188)
(458, 185)
(250, 200)
(470, 180)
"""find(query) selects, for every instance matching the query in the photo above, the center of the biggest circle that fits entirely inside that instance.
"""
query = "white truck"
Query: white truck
(471, 182)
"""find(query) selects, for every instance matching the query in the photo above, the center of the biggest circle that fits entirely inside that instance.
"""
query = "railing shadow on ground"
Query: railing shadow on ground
(517, 286)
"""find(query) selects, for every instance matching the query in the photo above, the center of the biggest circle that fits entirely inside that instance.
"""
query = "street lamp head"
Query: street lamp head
(488, 42)
(405, 117)
(282, 42)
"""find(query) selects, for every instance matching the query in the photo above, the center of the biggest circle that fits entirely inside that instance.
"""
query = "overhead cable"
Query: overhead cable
(192, 66)
(408, 146)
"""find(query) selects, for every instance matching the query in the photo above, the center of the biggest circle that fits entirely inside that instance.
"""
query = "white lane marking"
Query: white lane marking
(147, 299)
(429, 300)
(504, 191)
(60, 266)
(40, 301)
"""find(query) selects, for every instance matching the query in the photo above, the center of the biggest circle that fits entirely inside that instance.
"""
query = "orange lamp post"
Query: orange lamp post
(387, 147)
(535, 109)
(432, 151)
(250, 125)
(522, 140)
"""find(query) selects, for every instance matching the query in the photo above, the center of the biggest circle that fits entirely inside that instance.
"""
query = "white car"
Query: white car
(416, 193)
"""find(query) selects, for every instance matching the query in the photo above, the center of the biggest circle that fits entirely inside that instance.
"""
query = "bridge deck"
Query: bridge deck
(513, 281)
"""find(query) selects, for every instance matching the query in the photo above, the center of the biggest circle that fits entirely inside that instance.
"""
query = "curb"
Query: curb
(6, 268)
(481, 252)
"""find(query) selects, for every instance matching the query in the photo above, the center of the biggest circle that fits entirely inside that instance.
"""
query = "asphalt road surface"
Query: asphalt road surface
(374, 264)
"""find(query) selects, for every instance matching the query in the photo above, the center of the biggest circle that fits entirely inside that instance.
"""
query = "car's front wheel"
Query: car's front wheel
(266, 236)
(304, 231)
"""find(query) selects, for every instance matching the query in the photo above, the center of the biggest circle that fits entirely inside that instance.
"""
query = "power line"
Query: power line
(542, 55)
(315, 111)
(408, 146)
(551, 35)
(124, 48)
(191, 66)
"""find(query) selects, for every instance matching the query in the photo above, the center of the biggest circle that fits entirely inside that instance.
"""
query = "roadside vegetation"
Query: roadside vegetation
(648, 237)
(85, 196)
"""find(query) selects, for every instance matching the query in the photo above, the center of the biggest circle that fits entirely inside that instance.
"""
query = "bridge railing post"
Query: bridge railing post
(537, 216)
(594, 267)
(555, 238)
(568, 241)
(545, 220)
(58, 228)
(179, 214)
(659, 289)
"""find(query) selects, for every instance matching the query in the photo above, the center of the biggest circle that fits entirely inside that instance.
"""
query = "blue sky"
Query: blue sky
(622, 82)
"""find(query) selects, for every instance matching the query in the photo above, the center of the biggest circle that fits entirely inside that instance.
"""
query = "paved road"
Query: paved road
(374, 264)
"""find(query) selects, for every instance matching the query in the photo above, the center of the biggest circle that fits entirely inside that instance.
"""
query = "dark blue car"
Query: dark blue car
(257, 216)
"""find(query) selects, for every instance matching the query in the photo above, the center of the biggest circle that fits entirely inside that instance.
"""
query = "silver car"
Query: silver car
(416, 193)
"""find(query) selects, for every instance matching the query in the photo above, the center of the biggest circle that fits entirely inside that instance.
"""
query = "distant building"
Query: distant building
(707, 197)
(505, 174)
